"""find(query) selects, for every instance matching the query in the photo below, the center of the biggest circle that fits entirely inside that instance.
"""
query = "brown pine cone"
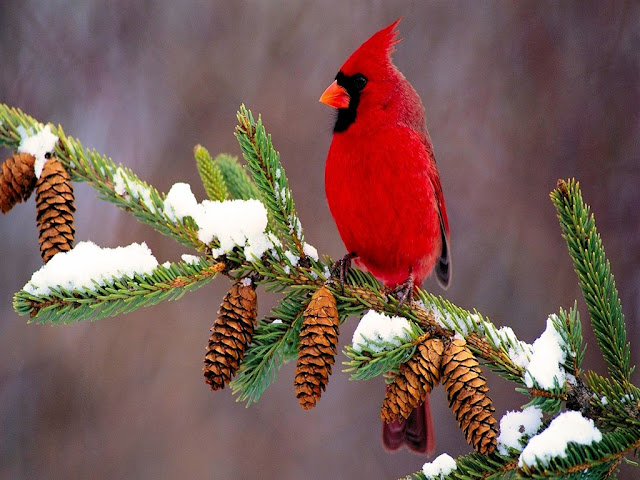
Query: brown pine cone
(467, 391)
(317, 349)
(55, 208)
(17, 180)
(415, 379)
(230, 334)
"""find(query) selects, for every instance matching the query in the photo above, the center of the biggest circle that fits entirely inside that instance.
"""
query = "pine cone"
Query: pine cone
(55, 207)
(467, 391)
(318, 347)
(414, 381)
(17, 180)
(230, 334)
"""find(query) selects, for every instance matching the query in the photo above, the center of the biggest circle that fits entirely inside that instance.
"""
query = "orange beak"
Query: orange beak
(335, 96)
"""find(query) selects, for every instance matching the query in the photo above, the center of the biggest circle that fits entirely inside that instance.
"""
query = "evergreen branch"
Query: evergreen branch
(11, 121)
(120, 186)
(617, 405)
(267, 171)
(274, 343)
(593, 462)
(367, 363)
(587, 461)
(117, 296)
(211, 175)
(595, 277)
(239, 184)
(114, 183)
(548, 401)
(362, 291)
(568, 325)
(475, 466)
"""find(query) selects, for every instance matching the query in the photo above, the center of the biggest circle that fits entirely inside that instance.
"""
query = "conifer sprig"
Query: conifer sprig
(595, 277)
(113, 183)
(275, 342)
(117, 296)
(264, 163)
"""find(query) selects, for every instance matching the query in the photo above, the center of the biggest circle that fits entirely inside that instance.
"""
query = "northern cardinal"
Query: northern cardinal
(384, 191)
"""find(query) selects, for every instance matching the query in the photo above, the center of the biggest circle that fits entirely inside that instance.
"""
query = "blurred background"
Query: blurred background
(517, 94)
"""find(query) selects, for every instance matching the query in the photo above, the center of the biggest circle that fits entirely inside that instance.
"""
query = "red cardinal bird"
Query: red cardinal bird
(384, 191)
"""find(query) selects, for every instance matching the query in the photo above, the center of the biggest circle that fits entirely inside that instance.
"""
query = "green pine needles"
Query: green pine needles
(291, 267)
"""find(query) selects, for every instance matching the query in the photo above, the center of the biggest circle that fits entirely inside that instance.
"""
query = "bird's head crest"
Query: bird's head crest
(378, 47)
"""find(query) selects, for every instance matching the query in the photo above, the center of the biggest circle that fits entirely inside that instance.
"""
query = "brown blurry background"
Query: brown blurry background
(518, 94)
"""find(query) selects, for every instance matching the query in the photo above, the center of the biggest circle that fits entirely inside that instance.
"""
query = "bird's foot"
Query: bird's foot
(404, 291)
(340, 268)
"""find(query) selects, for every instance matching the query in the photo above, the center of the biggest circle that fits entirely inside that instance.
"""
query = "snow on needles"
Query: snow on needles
(37, 145)
(514, 425)
(87, 264)
(232, 222)
(567, 427)
(376, 327)
(442, 465)
(547, 355)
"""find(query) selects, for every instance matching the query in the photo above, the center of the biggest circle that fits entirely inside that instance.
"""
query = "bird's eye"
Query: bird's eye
(359, 81)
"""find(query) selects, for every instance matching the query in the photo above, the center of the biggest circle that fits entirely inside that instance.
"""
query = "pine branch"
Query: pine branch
(476, 466)
(264, 164)
(113, 183)
(569, 326)
(588, 461)
(380, 358)
(274, 343)
(118, 296)
(596, 280)
(618, 405)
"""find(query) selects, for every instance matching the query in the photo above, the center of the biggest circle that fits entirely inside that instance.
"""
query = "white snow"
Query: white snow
(122, 180)
(310, 251)
(546, 358)
(88, 264)
(180, 202)
(513, 425)
(190, 259)
(246, 281)
(567, 427)
(378, 327)
(232, 222)
(441, 465)
(119, 185)
(37, 145)
(292, 257)
(444, 318)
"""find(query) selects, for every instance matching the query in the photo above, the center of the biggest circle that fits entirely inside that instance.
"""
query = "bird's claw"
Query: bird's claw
(341, 268)
(404, 291)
